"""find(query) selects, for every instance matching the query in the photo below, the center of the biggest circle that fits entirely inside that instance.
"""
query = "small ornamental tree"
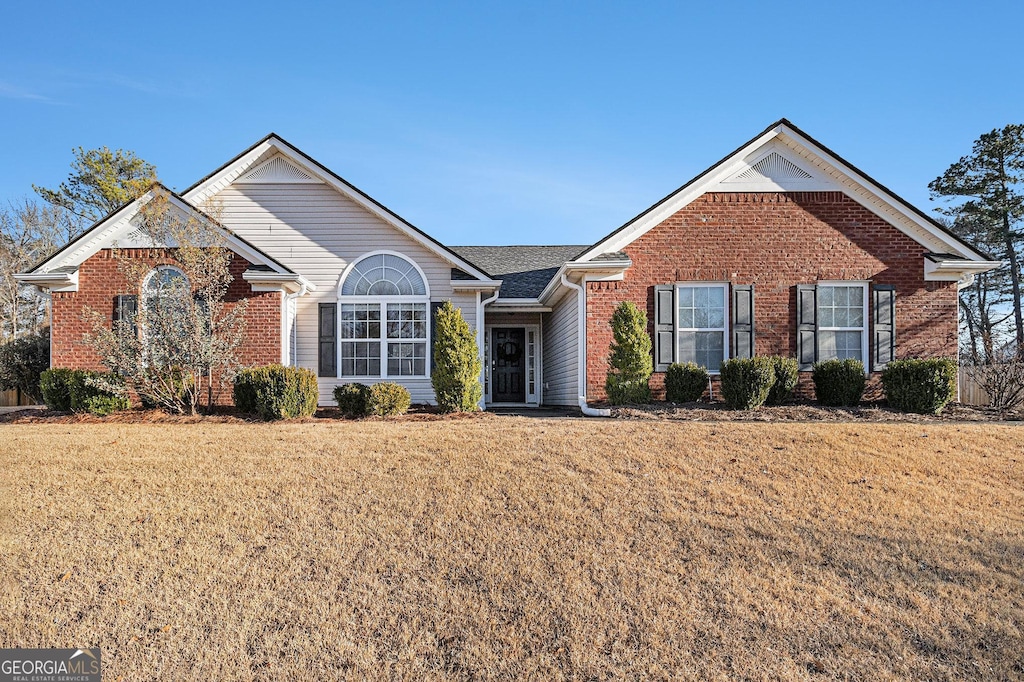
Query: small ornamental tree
(630, 360)
(181, 343)
(456, 375)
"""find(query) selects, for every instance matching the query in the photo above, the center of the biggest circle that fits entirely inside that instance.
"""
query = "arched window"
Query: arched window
(382, 318)
(384, 274)
(163, 284)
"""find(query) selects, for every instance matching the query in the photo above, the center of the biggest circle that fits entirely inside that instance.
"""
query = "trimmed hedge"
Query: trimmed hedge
(685, 382)
(353, 400)
(746, 382)
(922, 386)
(630, 364)
(456, 375)
(786, 377)
(276, 392)
(839, 383)
(386, 399)
(79, 390)
(22, 362)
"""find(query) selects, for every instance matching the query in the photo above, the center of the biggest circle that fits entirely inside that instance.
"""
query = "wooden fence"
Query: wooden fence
(971, 392)
(13, 399)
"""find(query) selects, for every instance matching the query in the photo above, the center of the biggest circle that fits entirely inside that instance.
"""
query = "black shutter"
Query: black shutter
(434, 307)
(743, 320)
(328, 364)
(664, 326)
(806, 325)
(884, 310)
(126, 308)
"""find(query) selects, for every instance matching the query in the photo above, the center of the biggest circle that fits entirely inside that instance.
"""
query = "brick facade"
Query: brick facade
(775, 241)
(101, 278)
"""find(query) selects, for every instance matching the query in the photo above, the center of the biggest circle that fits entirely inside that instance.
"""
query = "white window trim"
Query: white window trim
(383, 302)
(864, 350)
(725, 330)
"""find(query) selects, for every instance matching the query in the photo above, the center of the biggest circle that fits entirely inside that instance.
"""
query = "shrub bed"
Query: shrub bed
(922, 386)
(276, 392)
(746, 382)
(386, 399)
(786, 377)
(79, 390)
(839, 383)
(353, 400)
(685, 382)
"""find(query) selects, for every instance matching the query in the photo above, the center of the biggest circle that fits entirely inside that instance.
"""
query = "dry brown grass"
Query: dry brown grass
(510, 548)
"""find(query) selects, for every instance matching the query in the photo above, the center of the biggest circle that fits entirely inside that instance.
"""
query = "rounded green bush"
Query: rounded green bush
(55, 386)
(839, 383)
(786, 377)
(276, 392)
(386, 399)
(685, 382)
(922, 386)
(353, 400)
(746, 382)
(81, 390)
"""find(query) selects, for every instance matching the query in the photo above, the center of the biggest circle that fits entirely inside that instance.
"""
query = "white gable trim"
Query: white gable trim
(827, 171)
(234, 170)
(118, 225)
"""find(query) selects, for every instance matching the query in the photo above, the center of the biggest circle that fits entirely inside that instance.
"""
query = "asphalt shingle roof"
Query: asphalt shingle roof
(524, 270)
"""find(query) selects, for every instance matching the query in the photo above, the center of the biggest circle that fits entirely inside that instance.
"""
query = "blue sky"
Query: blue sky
(499, 123)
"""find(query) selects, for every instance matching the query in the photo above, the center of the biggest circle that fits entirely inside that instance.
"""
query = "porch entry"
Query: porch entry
(513, 370)
(508, 365)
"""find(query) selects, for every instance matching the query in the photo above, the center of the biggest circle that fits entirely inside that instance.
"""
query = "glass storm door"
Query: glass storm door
(508, 365)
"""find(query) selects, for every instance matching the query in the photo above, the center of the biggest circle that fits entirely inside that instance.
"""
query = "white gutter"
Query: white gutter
(480, 305)
(581, 351)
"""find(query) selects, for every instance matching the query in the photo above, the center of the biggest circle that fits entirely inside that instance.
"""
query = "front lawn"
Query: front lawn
(514, 548)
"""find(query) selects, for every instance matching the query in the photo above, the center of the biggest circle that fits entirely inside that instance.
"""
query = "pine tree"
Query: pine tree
(456, 375)
(630, 360)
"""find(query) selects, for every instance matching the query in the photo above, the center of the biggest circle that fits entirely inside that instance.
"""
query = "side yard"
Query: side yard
(507, 548)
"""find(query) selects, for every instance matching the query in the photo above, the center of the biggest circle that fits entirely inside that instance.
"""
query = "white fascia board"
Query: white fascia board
(474, 285)
(852, 183)
(519, 305)
(52, 281)
(607, 271)
(274, 281)
(219, 181)
(956, 270)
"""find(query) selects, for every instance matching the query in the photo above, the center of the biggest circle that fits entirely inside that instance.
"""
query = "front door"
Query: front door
(508, 365)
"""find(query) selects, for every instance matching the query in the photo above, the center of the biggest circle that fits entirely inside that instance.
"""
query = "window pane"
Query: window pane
(834, 345)
(384, 275)
(707, 349)
(360, 358)
(702, 307)
(407, 320)
(360, 321)
(407, 359)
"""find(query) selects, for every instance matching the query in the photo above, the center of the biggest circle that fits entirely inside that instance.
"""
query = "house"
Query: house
(780, 248)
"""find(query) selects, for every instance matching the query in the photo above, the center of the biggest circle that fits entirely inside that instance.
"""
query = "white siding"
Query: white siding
(317, 232)
(560, 349)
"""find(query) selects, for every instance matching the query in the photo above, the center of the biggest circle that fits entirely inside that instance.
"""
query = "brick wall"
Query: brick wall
(101, 278)
(776, 241)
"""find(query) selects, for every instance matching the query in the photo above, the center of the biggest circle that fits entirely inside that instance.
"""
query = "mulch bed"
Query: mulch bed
(37, 415)
(809, 412)
(797, 412)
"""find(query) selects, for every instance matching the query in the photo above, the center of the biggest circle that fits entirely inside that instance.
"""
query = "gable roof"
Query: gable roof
(105, 231)
(273, 143)
(523, 270)
(804, 163)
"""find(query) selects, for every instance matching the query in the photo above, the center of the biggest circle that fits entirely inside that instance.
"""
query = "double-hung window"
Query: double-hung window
(702, 336)
(842, 326)
(383, 308)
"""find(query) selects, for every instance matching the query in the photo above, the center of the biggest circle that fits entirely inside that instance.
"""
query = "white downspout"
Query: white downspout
(481, 303)
(292, 350)
(581, 352)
